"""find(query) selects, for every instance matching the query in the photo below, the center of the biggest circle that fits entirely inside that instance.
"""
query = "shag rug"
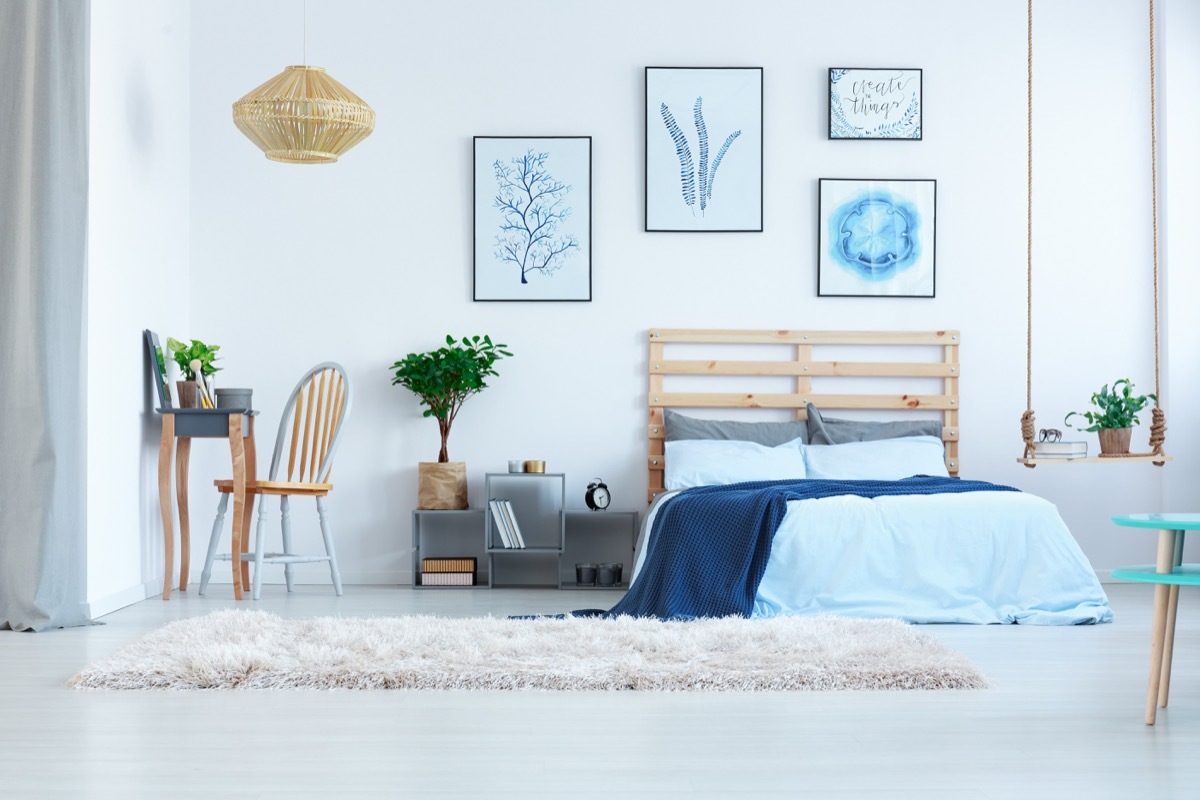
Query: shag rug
(235, 649)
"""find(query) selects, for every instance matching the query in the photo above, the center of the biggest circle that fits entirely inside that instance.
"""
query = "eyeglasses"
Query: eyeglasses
(1049, 435)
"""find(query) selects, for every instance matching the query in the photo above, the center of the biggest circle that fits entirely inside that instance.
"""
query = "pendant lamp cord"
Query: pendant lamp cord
(1028, 424)
(304, 46)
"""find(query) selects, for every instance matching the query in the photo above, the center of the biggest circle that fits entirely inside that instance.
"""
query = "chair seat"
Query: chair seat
(277, 487)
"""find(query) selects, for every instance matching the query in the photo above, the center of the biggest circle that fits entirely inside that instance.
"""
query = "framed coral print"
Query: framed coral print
(875, 104)
(704, 144)
(533, 218)
(876, 238)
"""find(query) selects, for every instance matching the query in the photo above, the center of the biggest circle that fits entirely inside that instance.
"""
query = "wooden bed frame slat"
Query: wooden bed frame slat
(806, 368)
(944, 366)
(858, 401)
(701, 336)
(658, 433)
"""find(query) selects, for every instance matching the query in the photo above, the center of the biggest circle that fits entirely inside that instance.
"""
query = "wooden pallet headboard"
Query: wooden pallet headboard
(802, 367)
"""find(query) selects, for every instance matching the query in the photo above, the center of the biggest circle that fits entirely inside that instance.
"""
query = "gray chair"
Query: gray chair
(311, 424)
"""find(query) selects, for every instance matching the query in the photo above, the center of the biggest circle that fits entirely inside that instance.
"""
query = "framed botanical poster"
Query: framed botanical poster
(875, 103)
(533, 218)
(876, 238)
(704, 143)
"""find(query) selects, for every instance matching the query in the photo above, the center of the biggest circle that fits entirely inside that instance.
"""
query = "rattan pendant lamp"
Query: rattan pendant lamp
(303, 116)
(1158, 427)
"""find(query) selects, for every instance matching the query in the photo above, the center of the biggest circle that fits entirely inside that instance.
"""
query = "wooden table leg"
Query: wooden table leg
(1164, 686)
(237, 453)
(1166, 555)
(251, 474)
(183, 453)
(164, 500)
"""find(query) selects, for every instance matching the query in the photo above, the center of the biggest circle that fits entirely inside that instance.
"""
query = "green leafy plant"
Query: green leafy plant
(184, 354)
(1116, 409)
(444, 378)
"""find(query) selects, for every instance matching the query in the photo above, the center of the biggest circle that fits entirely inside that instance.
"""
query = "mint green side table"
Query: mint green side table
(1168, 574)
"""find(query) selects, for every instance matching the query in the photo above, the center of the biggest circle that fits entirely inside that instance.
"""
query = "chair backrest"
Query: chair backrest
(311, 425)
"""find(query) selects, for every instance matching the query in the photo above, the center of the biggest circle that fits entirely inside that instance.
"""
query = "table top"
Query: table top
(1183, 521)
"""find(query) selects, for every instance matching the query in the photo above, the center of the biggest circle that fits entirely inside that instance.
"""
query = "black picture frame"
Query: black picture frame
(668, 148)
(875, 94)
(489, 221)
(156, 361)
(874, 266)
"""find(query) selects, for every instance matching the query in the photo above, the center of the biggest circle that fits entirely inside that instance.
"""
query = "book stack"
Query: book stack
(1064, 450)
(448, 572)
(506, 524)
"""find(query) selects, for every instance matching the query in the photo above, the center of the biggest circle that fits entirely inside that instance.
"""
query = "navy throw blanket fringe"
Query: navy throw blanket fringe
(710, 544)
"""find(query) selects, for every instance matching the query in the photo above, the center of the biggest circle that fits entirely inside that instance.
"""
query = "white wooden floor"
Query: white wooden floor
(1063, 721)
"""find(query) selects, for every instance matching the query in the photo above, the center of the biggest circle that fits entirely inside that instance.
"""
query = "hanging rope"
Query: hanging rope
(1158, 423)
(1028, 425)
(1158, 427)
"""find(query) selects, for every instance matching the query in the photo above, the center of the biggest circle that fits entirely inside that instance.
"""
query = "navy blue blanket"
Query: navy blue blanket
(709, 545)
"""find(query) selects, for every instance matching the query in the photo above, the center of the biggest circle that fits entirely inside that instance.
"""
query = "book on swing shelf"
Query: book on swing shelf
(1060, 450)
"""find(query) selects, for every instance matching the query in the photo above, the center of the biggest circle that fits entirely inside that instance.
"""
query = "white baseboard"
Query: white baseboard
(361, 578)
(118, 600)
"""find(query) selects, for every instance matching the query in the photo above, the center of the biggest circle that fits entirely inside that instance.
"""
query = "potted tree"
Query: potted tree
(443, 379)
(1115, 415)
(185, 355)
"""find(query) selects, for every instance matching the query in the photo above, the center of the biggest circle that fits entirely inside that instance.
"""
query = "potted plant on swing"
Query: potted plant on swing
(443, 379)
(1115, 415)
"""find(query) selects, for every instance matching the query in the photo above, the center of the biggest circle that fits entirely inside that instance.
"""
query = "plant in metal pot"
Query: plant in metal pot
(185, 356)
(1114, 416)
(443, 380)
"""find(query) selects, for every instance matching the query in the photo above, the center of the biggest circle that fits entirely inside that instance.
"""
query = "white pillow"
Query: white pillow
(884, 460)
(701, 462)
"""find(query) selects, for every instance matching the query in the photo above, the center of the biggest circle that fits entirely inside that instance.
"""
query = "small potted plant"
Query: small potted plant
(443, 379)
(1115, 415)
(185, 355)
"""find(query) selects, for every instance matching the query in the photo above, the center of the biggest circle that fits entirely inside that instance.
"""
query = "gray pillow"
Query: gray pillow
(770, 434)
(826, 430)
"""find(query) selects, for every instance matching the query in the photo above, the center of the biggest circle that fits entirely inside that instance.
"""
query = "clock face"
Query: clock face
(600, 497)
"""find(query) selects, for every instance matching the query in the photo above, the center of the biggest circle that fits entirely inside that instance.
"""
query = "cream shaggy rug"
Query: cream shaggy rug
(236, 649)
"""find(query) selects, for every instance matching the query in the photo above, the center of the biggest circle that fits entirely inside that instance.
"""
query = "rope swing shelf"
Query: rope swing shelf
(1158, 427)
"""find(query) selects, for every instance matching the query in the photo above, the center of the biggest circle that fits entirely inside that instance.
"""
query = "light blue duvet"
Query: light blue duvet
(983, 557)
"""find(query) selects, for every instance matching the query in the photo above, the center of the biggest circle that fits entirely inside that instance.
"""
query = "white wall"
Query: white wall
(369, 259)
(137, 278)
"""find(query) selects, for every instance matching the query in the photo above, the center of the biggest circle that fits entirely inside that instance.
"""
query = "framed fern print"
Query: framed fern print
(704, 144)
(875, 103)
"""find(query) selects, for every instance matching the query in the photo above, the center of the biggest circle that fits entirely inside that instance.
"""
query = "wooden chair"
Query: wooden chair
(314, 414)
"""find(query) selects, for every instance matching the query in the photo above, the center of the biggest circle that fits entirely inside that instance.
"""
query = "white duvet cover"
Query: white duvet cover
(978, 557)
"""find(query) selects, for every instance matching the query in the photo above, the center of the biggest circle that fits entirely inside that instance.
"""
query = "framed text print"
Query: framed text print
(875, 104)
(876, 238)
(704, 146)
(533, 218)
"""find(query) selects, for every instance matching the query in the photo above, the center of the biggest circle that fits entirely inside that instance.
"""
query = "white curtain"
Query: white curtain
(43, 285)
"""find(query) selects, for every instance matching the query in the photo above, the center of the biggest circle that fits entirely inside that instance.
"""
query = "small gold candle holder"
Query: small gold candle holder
(535, 466)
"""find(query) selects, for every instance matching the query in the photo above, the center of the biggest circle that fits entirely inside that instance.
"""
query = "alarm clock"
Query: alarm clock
(597, 496)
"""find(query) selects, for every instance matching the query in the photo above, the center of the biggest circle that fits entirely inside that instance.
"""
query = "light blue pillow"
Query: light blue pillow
(704, 462)
(883, 460)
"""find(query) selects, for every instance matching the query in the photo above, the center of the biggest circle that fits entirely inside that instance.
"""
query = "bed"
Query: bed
(990, 555)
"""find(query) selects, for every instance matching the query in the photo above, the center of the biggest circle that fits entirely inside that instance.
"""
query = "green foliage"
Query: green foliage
(184, 354)
(443, 379)
(1115, 409)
